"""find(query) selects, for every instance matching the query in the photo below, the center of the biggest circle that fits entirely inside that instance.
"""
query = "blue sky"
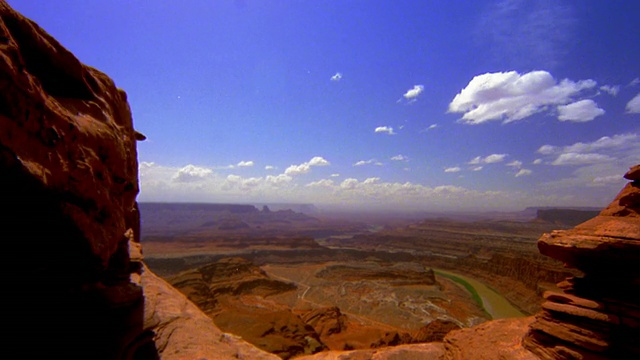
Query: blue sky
(415, 105)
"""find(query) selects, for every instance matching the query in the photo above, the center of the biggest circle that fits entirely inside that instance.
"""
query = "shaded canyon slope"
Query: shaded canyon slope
(71, 263)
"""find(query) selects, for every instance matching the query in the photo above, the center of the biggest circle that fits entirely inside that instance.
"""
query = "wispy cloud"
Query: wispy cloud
(612, 90)
(430, 127)
(605, 143)
(385, 130)
(368, 162)
(517, 166)
(527, 33)
(336, 77)
(633, 106)
(490, 159)
(623, 148)
(270, 167)
(453, 169)
(579, 111)
(306, 166)
(399, 157)
(579, 159)
(509, 96)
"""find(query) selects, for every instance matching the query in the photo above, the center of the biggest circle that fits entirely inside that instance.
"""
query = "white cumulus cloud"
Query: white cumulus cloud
(414, 92)
(191, 173)
(453, 169)
(336, 77)
(633, 106)
(321, 183)
(510, 96)
(306, 166)
(515, 163)
(349, 183)
(384, 129)
(269, 167)
(579, 111)
(523, 172)
(245, 164)
(278, 179)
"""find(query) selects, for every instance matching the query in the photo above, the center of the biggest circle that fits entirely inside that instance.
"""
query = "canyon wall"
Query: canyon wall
(597, 315)
(75, 284)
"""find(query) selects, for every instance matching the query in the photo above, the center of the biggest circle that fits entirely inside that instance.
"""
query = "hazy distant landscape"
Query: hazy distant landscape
(292, 282)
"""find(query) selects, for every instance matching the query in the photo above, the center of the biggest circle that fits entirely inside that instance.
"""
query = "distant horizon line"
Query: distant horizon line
(352, 209)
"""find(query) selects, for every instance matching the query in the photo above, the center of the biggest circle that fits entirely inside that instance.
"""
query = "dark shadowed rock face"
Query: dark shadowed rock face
(597, 316)
(74, 283)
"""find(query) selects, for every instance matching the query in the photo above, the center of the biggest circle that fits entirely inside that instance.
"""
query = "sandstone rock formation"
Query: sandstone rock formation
(597, 315)
(235, 294)
(74, 283)
(430, 351)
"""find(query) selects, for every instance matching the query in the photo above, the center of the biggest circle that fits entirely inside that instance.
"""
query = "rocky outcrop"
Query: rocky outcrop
(435, 331)
(431, 351)
(177, 329)
(597, 315)
(74, 282)
(235, 294)
(498, 339)
(326, 321)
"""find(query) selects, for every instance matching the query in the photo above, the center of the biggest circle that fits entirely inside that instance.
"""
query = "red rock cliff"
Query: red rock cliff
(596, 316)
(74, 282)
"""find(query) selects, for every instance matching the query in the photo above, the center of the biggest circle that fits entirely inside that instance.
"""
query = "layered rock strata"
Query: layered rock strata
(597, 315)
(75, 286)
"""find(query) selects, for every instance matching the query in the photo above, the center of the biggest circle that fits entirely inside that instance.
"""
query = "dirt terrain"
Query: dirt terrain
(294, 284)
(303, 309)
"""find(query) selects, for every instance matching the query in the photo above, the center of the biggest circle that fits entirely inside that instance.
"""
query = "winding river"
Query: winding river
(494, 304)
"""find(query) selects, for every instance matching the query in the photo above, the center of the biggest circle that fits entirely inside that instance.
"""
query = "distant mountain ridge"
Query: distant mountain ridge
(562, 216)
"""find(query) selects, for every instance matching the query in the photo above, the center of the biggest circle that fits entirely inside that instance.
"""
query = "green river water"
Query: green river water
(494, 304)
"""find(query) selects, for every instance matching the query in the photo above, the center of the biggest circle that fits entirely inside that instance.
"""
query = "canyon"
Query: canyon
(76, 276)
